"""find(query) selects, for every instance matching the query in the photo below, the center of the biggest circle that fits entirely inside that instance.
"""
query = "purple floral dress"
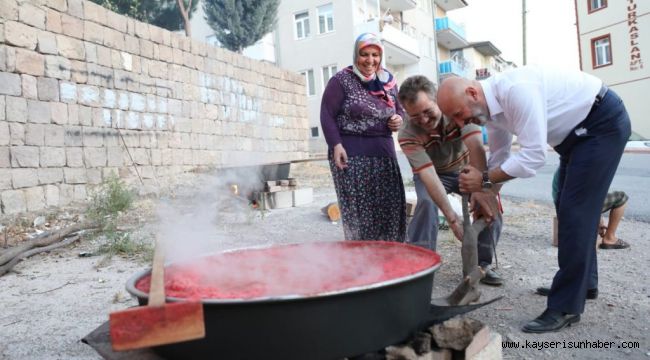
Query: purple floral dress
(370, 191)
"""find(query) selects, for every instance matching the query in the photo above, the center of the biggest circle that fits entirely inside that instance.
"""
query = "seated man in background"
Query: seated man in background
(437, 149)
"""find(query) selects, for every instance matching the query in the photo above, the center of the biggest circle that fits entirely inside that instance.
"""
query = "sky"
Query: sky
(551, 32)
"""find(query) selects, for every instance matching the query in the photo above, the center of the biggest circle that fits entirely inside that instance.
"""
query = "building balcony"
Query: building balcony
(451, 67)
(449, 34)
(399, 5)
(401, 48)
(483, 73)
(448, 5)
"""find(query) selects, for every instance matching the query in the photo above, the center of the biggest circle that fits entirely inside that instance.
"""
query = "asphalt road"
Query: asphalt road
(632, 176)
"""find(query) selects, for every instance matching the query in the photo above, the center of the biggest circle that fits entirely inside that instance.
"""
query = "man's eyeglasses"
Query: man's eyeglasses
(426, 114)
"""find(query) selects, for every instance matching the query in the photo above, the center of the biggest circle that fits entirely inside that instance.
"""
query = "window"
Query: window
(328, 72)
(314, 131)
(601, 51)
(325, 19)
(309, 82)
(595, 5)
(302, 24)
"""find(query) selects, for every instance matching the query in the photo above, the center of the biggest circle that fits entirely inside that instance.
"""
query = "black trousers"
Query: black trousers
(589, 157)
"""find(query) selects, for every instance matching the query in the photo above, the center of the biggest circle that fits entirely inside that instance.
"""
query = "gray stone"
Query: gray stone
(80, 193)
(2, 108)
(54, 135)
(52, 21)
(93, 138)
(30, 90)
(58, 67)
(32, 15)
(73, 137)
(38, 111)
(59, 113)
(50, 175)
(456, 333)
(75, 8)
(22, 178)
(13, 201)
(34, 134)
(17, 133)
(47, 43)
(5, 179)
(115, 156)
(5, 137)
(89, 95)
(30, 62)
(94, 176)
(75, 175)
(21, 35)
(66, 194)
(5, 161)
(10, 84)
(48, 89)
(52, 156)
(68, 92)
(74, 157)
(85, 115)
(70, 48)
(24, 156)
(35, 198)
(51, 195)
(16, 109)
(95, 157)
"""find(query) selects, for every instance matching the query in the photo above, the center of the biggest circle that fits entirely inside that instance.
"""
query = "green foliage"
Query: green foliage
(110, 199)
(108, 202)
(163, 13)
(241, 23)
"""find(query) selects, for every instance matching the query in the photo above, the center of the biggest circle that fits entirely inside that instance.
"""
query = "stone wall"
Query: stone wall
(85, 93)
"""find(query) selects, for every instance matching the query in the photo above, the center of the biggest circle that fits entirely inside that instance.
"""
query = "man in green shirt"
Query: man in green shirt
(437, 149)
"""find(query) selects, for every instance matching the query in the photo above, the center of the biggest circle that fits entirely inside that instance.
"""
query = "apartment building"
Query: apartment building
(614, 44)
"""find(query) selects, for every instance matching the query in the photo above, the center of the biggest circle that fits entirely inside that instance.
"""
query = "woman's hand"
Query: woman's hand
(340, 157)
(395, 122)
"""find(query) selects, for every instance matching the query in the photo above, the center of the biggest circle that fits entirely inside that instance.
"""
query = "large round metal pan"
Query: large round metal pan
(324, 326)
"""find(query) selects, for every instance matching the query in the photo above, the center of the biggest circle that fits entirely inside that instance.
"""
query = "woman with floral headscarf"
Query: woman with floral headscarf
(359, 112)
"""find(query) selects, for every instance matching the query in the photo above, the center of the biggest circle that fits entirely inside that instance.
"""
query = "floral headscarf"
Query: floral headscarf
(379, 83)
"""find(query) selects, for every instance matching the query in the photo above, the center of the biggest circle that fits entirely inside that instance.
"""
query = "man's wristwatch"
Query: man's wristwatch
(487, 184)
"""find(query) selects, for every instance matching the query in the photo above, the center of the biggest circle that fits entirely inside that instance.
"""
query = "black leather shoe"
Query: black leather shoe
(592, 294)
(550, 320)
(491, 278)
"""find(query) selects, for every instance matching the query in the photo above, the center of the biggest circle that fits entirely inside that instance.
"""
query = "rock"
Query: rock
(39, 221)
(456, 333)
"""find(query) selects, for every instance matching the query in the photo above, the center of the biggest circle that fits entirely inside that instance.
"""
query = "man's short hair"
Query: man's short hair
(408, 91)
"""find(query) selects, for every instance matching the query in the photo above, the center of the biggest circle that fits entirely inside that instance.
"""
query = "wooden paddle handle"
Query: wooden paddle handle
(157, 288)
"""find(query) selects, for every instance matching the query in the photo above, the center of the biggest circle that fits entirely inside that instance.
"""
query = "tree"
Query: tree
(241, 23)
(167, 14)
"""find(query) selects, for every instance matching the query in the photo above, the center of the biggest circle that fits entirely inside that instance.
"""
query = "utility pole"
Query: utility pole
(523, 29)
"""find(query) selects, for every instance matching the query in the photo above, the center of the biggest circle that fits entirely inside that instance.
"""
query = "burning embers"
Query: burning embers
(292, 270)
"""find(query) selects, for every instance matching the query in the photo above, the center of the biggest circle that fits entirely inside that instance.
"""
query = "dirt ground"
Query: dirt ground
(53, 300)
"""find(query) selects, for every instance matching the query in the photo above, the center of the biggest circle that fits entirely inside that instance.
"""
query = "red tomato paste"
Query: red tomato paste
(297, 269)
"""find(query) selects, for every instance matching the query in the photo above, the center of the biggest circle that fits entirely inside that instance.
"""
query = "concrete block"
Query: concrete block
(34, 198)
(47, 43)
(29, 86)
(94, 176)
(275, 200)
(59, 113)
(80, 194)
(38, 111)
(10, 84)
(13, 201)
(22, 178)
(66, 194)
(303, 196)
(95, 157)
(24, 156)
(31, 15)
